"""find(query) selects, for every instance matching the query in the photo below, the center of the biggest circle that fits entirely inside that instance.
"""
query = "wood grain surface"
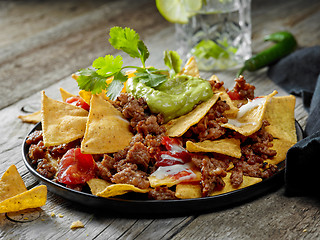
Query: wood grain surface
(43, 42)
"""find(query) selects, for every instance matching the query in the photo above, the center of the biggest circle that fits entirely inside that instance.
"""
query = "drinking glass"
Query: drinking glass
(218, 35)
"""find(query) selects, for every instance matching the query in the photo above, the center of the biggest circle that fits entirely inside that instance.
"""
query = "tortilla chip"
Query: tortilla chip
(169, 180)
(177, 127)
(251, 120)
(120, 189)
(282, 147)
(85, 95)
(107, 131)
(97, 185)
(31, 118)
(191, 68)
(61, 122)
(36, 197)
(227, 146)
(186, 191)
(280, 115)
(11, 183)
(65, 95)
(247, 181)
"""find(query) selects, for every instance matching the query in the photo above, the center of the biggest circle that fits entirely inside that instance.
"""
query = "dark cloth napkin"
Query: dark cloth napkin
(299, 74)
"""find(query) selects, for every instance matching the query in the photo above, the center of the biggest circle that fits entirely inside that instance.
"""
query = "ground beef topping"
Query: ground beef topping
(209, 126)
(133, 164)
(129, 176)
(161, 193)
(211, 177)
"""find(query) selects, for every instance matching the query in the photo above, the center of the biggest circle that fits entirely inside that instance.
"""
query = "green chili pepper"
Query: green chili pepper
(285, 44)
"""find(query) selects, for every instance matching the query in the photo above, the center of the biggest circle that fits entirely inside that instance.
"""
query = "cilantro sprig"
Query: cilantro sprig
(127, 40)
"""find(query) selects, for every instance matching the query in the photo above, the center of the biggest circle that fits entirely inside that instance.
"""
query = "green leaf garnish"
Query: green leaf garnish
(127, 40)
(89, 80)
(151, 77)
(108, 66)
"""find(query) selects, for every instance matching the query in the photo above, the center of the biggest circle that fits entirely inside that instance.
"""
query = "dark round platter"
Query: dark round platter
(162, 207)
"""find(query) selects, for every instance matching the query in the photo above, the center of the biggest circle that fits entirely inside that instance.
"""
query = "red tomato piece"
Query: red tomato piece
(79, 102)
(234, 95)
(76, 167)
(182, 174)
(172, 144)
(176, 154)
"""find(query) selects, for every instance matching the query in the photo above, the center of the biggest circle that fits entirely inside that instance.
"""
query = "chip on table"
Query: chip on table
(14, 195)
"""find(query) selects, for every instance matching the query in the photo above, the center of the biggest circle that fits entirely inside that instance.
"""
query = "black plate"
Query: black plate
(156, 207)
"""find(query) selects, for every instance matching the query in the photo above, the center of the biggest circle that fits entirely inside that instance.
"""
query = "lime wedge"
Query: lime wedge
(178, 11)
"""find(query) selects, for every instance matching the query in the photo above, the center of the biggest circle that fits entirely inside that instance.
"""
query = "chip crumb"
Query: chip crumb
(305, 230)
(26, 218)
(52, 214)
(77, 224)
(60, 215)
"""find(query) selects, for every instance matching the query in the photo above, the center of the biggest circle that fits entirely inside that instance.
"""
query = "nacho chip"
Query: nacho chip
(247, 181)
(172, 175)
(36, 197)
(177, 127)
(107, 131)
(65, 95)
(85, 95)
(11, 184)
(188, 190)
(120, 189)
(191, 68)
(280, 115)
(97, 185)
(250, 116)
(227, 146)
(61, 122)
(31, 118)
(282, 147)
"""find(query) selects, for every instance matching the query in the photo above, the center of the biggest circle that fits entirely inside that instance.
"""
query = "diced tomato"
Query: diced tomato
(182, 174)
(172, 144)
(176, 154)
(76, 167)
(79, 102)
(234, 95)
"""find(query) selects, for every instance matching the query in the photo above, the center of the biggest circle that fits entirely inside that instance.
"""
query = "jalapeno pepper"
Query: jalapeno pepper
(285, 44)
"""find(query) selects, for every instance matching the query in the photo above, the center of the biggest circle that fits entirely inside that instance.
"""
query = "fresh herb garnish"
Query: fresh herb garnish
(127, 40)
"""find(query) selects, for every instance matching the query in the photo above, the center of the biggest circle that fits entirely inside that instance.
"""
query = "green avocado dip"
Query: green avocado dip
(174, 97)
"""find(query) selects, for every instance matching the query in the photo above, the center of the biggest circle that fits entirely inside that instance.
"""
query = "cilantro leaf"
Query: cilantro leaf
(107, 66)
(125, 39)
(89, 80)
(128, 41)
(151, 77)
(117, 84)
(173, 61)
(144, 52)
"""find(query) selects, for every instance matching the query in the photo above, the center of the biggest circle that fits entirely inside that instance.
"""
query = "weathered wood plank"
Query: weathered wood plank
(55, 42)
(273, 216)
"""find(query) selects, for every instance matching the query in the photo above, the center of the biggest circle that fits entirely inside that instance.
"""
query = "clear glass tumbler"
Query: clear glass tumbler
(218, 35)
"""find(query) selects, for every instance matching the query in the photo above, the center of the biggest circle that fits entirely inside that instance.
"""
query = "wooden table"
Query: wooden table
(43, 42)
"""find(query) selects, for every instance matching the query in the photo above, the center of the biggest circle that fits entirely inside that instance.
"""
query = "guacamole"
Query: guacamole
(174, 97)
